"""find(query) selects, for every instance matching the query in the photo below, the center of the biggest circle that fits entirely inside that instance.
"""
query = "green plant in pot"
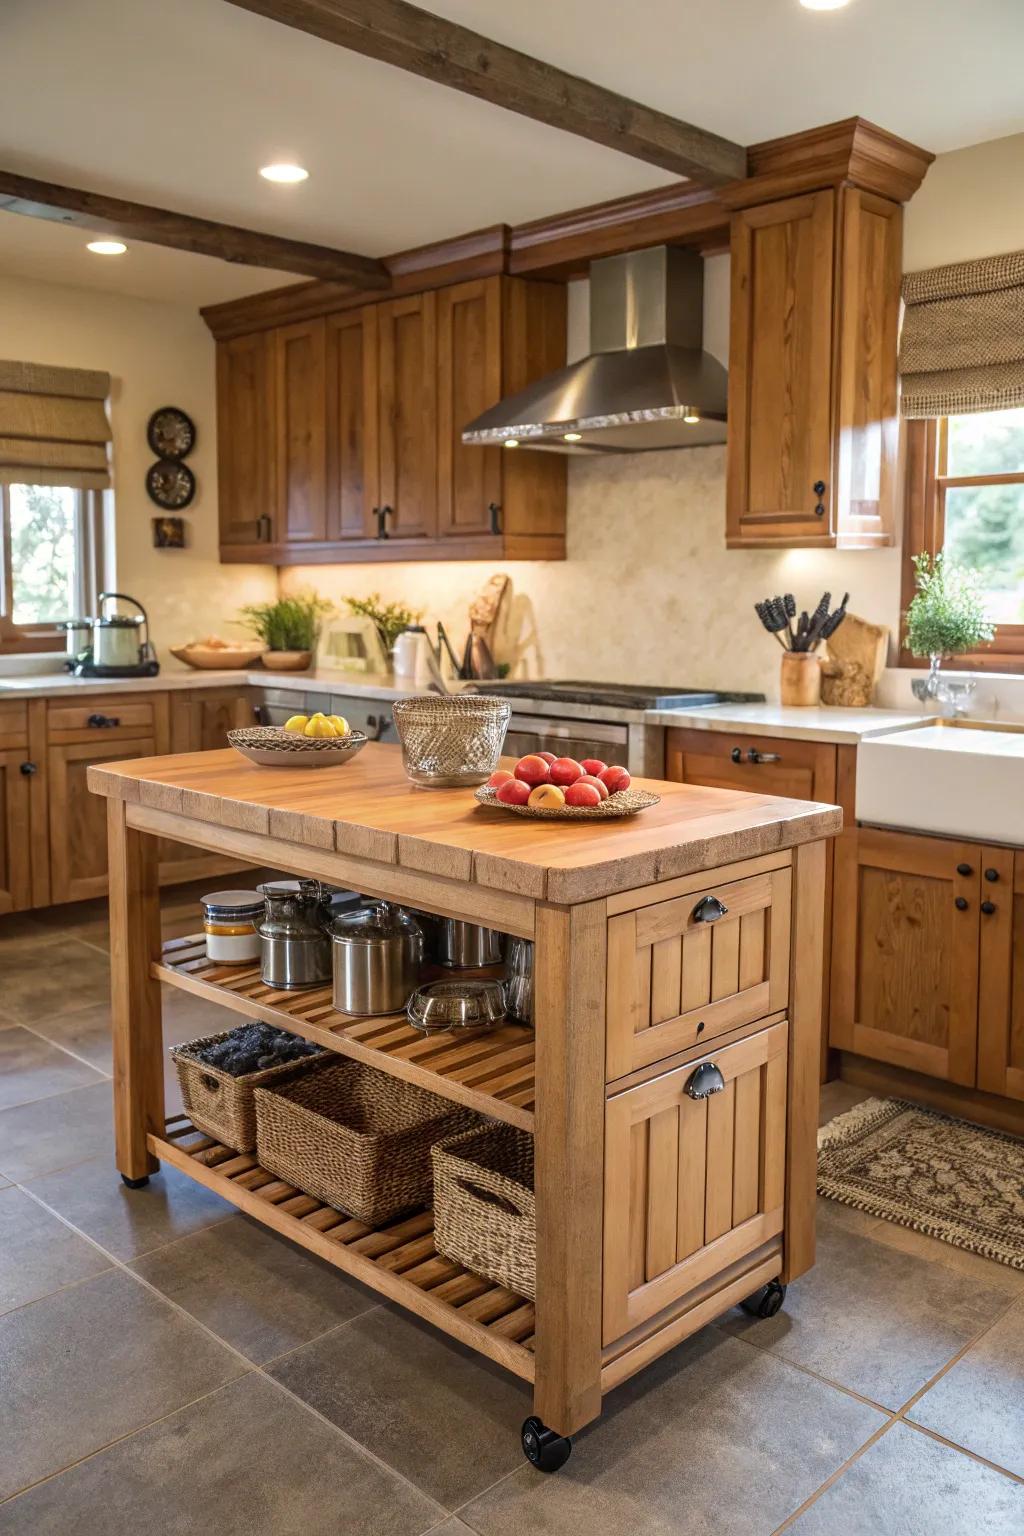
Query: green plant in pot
(389, 619)
(289, 628)
(946, 617)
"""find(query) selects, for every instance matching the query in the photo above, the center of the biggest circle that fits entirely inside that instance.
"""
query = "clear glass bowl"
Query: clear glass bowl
(450, 742)
(457, 1005)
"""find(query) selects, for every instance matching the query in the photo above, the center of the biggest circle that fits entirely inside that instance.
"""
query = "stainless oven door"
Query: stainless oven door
(567, 738)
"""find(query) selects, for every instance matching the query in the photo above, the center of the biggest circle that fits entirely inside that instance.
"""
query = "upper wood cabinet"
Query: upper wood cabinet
(361, 413)
(812, 371)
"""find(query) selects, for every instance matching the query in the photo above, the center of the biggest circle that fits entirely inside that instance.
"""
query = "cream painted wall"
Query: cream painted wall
(969, 205)
(156, 354)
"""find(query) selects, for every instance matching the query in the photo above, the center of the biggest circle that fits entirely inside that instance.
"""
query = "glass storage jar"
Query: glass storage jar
(229, 922)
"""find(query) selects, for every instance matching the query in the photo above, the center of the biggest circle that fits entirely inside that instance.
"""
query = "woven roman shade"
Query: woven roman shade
(53, 425)
(962, 343)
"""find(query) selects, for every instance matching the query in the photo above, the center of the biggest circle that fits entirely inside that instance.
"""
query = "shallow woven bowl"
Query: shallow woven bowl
(273, 747)
(451, 741)
(625, 802)
(214, 660)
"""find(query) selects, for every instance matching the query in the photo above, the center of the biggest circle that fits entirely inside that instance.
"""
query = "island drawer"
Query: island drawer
(692, 1184)
(107, 717)
(684, 971)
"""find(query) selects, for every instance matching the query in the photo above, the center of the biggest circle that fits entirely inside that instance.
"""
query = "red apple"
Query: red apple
(549, 757)
(599, 784)
(614, 779)
(498, 777)
(565, 770)
(532, 769)
(513, 792)
(582, 793)
(593, 766)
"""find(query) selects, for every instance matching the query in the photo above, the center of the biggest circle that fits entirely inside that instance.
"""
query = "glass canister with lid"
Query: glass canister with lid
(295, 947)
(229, 922)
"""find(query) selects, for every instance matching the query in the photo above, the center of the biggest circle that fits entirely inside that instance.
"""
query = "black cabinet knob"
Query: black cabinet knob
(818, 487)
(961, 903)
(988, 907)
(103, 722)
(992, 875)
(28, 769)
(964, 869)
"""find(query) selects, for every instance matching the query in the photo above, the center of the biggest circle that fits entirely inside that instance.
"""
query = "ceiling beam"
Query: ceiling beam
(96, 212)
(397, 33)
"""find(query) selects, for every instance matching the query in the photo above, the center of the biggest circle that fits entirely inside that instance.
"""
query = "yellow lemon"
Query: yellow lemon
(321, 727)
(297, 723)
(341, 725)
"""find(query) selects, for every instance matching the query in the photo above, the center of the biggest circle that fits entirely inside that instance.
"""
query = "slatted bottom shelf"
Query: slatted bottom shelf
(397, 1259)
(492, 1072)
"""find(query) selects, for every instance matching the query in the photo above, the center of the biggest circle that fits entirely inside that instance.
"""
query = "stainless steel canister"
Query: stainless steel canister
(378, 952)
(465, 945)
(519, 981)
(295, 947)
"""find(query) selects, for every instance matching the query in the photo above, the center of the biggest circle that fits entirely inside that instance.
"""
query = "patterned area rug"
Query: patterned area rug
(927, 1171)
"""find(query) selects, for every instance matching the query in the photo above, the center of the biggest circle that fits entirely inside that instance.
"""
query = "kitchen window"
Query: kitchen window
(965, 495)
(50, 538)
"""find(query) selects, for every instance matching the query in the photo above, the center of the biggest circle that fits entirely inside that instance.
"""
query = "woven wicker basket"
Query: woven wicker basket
(484, 1210)
(355, 1138)
(222, 1105)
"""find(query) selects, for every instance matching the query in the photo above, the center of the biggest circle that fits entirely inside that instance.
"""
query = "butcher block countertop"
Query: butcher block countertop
(369, 810)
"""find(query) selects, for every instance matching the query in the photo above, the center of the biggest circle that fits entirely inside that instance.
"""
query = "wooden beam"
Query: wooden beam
(101, 214)
(397, 33)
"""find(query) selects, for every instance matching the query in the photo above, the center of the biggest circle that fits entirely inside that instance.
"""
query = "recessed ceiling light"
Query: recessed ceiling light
(823, 5)
(283, 172)
(572, 437)
(107, 247)
(511, 442)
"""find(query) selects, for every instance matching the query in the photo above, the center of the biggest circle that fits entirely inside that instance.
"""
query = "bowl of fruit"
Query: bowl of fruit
(304, 741)
(561, 789)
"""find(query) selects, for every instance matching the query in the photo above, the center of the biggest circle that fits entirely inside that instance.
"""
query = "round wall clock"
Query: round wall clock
(170, 484)
(170, 433)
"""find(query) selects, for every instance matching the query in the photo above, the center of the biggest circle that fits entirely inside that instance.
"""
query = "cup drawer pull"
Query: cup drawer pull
(705, 1081)
(709, 909)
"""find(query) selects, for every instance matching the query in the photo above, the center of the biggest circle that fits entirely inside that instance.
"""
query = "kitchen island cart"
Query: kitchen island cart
(670, 1082)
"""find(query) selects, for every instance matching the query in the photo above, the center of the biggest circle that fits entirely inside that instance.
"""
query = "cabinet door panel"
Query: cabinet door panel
(245, 439)
(78, 818)
(301, 445)
(468, 381)
(407, 359)
(15, 865)
(692, 1185)
(906, 956)
(352, 424)
(1001, 995)
(780, 369)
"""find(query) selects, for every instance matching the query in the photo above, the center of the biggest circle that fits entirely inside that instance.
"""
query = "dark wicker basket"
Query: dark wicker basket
(485, 1215)
(222, 1105)
(355, 1138)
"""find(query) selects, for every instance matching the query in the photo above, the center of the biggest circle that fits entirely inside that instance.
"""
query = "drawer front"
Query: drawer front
(102, 719)
(13, 725)
(765, 765)
(683, 971)
(692, 1185)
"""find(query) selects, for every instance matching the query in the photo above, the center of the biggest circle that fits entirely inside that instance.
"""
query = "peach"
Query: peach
(549, 757)
(614, 779)
(547, 797)
(513, 792)
(498, 777)
(565, 770)
(532, 769)
(593, 766)
(599, 785)
(582, 793)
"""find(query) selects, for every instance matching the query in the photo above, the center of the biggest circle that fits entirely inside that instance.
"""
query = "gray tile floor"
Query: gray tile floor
(168, 1365)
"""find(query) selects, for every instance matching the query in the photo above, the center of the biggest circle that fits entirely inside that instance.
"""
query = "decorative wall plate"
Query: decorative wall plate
(171, 433)
(170, 484)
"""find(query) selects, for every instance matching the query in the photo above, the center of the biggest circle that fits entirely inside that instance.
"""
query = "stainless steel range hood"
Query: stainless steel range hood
(646, 382)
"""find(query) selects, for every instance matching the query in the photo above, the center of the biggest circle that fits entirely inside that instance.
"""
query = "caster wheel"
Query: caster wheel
(135, 1183)
(767, 1301)
(544, 1449)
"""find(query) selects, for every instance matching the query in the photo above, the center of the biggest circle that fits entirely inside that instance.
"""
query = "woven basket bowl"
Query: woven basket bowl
(222, 1105)
(451, 742)
(485, 1215)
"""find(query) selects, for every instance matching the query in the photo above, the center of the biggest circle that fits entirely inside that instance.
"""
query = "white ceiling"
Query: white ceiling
(179, 103)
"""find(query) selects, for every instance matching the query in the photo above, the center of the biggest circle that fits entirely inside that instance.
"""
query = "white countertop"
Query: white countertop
(48, 684)
(823, 723)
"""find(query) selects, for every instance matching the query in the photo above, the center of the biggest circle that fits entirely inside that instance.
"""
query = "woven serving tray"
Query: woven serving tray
(625, 802)
(274, 747)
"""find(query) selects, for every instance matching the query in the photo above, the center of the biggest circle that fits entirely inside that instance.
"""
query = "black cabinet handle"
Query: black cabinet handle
(494, 511)
(263, 529)
(988, 907)
(375, 728)
(382, 514)
(818, 487)
(961, 903)
(103, 722)
(705, 1081)
(754, 756)
(964, 869)
(709, 909)
(28, 769)
(992, 875)
(819, 490)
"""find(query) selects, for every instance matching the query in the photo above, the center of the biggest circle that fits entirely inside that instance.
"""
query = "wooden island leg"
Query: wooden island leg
(569, 1009)
(805, 1004)
(134, 993)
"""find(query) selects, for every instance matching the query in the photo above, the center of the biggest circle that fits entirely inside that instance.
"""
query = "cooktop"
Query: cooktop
(617, 695)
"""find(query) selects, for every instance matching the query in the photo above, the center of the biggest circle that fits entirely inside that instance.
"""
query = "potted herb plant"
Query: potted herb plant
(288, 628)
(389, 619)
(946, 616)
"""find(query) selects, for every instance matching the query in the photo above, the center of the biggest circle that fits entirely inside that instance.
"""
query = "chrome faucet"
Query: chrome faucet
(956, 696)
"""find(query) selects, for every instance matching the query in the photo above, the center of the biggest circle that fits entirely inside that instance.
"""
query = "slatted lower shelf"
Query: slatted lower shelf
(398, 1259)
(492, 1072)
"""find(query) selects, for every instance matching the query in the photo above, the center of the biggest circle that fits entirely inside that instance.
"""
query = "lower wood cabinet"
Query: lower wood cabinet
(1001, 998)
(692, 1184)
(766, 765)
(15, 855)
(78, 818)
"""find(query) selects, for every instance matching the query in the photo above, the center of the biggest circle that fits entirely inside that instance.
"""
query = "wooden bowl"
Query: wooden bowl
(286, 661)
(206, 660)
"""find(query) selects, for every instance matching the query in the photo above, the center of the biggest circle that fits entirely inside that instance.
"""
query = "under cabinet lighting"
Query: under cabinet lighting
(511, 442)
(284, 172)
(572, 437)
(691, 418)
(823, 5)
(107, 247)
